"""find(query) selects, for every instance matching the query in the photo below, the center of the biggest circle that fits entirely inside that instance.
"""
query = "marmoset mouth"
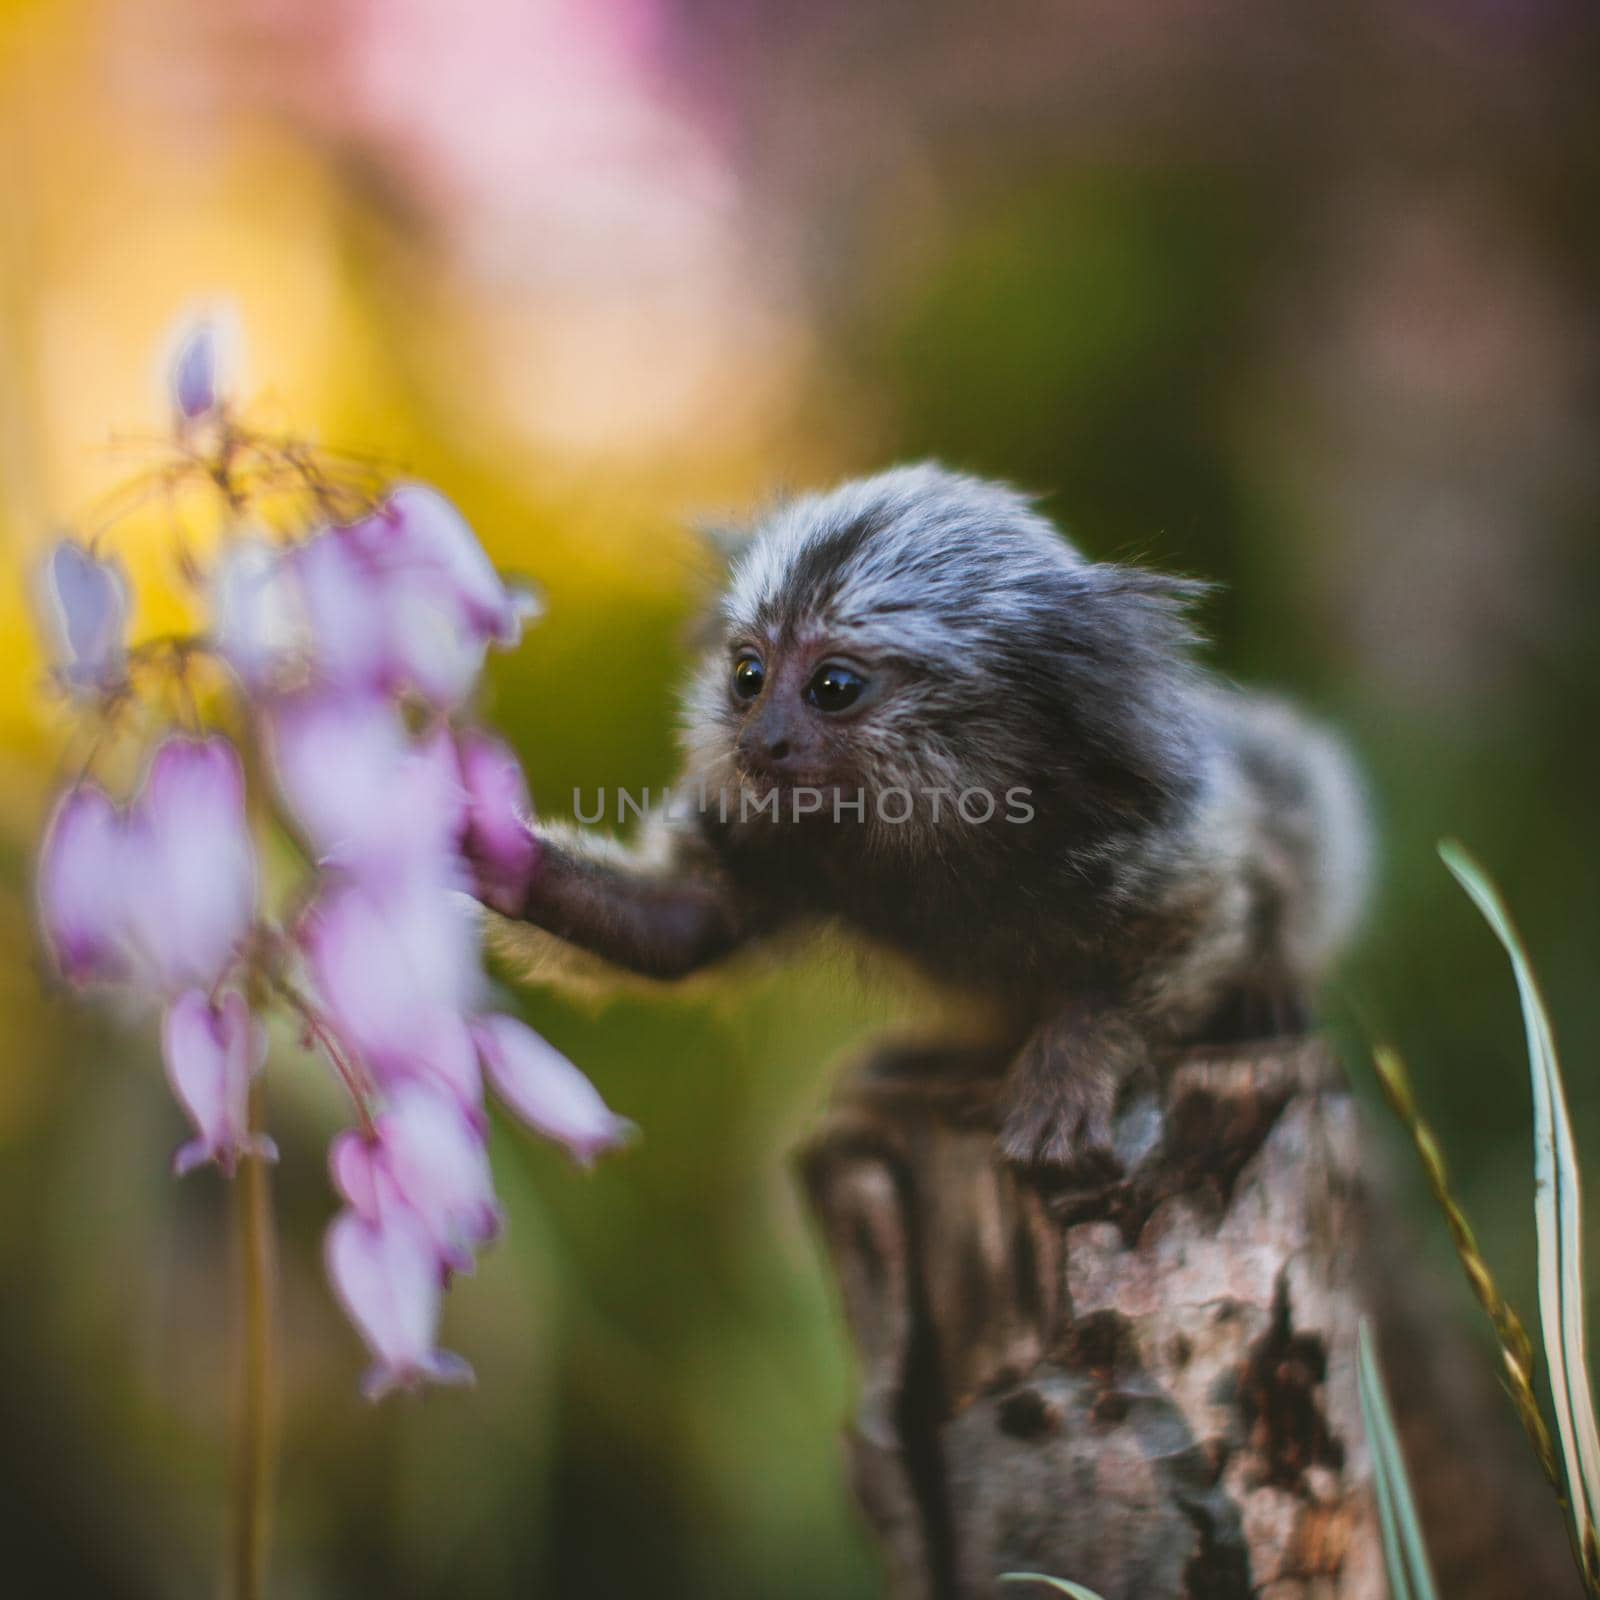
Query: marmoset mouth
(822, 784)
(757, 779)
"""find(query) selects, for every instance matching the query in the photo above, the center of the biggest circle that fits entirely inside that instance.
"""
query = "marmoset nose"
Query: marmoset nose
(770, 743)
(770, 736)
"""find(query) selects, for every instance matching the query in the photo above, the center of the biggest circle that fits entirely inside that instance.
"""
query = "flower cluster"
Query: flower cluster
(347, 652)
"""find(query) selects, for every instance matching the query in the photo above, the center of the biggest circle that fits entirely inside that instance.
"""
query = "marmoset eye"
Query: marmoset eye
(748, 676)
(834, 687)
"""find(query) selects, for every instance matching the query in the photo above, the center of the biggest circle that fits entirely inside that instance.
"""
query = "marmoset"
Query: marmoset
(926, 718)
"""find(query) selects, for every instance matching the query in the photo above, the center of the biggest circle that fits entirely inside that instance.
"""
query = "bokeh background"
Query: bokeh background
(1299, 298)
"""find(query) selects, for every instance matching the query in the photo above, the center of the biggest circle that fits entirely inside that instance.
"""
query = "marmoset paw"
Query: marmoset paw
(1068, 1125)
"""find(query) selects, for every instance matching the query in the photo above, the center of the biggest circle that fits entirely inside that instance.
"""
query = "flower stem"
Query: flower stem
(253, 1444)
(350, 1073)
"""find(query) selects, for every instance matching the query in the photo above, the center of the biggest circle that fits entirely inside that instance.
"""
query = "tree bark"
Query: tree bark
(1147, 1387)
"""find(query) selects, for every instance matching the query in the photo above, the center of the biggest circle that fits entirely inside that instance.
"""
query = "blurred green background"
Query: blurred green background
(1297, 298)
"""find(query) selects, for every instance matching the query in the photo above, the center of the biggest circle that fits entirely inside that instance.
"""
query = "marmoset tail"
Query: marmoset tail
(927, 719)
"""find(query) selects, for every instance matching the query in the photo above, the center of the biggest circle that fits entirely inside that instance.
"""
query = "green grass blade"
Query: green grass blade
(1405, 1551)
(1388, 1523)
(1060, 1585)
(1558, 1216)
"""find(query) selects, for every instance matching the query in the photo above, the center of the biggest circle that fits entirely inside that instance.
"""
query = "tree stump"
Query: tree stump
(1148, 1387)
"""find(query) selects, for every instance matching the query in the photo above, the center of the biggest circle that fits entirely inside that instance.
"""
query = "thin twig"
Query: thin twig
(1516, 1347)
(349, 1071)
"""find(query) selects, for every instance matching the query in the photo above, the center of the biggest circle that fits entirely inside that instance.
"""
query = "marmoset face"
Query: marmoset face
(801, 706)
(930, 633)
(863, 642)
(810, 704)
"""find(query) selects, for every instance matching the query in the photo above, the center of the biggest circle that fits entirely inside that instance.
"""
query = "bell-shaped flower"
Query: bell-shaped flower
(428, 1153)
(405, 599)
(369, 799)
(85, 606)
(359, 1176)
(258, 612)
(83, 885)
(211, 1053)
(163, 894)
(541, 1087)
(440, 1164)
(335, 758)
(396, 969)
(346, 612)
(384, 626)
(386, 1274)
(418, 530)
(189, 879)
(432, 649)
(499, 841)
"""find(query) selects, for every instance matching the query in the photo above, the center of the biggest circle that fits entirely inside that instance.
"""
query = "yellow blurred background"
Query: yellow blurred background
(1300, 299)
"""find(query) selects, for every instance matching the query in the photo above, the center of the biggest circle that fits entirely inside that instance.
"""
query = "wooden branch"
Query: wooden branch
(1148, 1387)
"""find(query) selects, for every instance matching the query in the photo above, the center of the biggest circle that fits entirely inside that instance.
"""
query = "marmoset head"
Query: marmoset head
(927, 631)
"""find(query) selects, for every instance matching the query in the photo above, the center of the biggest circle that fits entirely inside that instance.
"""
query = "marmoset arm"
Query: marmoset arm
(660, 920)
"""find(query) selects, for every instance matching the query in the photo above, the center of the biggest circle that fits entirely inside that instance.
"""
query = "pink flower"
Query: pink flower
(212, 1053)
(405, 599)
(359, 1175)
(397, 970)
(332, 634)
(499, 841)
(258, 612)
(369, 798)
(162, 895)
(189, 873)
(546, 1091)
(429, 1154)
(440, 1164)
(346, 613)
(82, 882)
(384, 627)
(386, 1275)
(432, 649)
(417, 530)
(85, 605)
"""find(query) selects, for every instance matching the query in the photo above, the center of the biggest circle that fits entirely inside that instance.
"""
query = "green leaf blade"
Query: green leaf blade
(1061, 1585)
(1405, 1550)
(1558, 1207)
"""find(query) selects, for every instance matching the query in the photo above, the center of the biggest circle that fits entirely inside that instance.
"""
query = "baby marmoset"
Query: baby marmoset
(1158, 858)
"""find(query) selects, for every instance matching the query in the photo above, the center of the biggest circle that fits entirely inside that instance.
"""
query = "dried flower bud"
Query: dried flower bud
(193, 376)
